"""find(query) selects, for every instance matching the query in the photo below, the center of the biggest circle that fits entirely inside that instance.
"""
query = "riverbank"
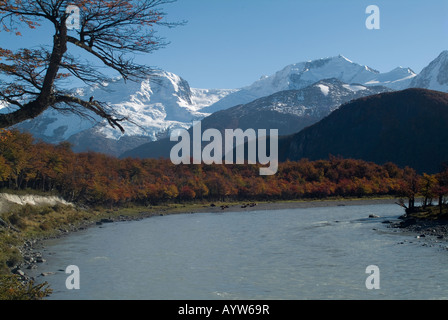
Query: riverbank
(32, 242)
(426, 228)
(425, 223)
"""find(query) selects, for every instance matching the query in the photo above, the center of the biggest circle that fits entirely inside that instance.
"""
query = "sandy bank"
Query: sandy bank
(8, 201)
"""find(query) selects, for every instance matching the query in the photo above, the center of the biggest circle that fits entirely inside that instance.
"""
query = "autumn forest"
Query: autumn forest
(97, 179)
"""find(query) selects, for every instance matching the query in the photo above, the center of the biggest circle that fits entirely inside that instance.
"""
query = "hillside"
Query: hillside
(408, 128)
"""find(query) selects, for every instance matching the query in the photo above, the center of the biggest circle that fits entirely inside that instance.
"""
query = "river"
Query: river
(289, 254)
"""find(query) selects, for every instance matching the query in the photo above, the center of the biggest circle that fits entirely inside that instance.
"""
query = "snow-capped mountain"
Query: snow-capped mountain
(434, 76)
(303, 74)
(288, 111)
(156, 106)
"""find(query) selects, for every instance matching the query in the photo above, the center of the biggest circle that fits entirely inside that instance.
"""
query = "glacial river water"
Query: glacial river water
(316, 253)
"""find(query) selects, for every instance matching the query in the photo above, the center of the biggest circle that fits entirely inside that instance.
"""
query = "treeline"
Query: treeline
(93, 178)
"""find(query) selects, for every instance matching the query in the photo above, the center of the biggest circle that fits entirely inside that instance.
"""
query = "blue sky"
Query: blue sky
(232, 43)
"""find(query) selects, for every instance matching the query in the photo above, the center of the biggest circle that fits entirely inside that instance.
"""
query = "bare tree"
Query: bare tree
(111, 32)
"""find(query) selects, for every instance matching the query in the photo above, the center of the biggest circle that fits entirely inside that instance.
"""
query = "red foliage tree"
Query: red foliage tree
(94, 178)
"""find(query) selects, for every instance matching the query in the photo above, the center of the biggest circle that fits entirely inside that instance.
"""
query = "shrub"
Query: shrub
(17, 221)
(11, 288)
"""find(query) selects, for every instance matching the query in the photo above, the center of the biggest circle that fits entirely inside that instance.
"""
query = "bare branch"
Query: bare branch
(94, 106)
(111, 31)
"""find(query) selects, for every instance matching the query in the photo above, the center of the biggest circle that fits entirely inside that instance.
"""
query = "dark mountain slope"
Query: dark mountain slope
(409, 128)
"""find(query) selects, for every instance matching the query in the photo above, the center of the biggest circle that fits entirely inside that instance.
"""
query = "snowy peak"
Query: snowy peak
(434, 76)
(340, 56)
(301, 75)
(156, 105)
(397, 79)
(163, 85)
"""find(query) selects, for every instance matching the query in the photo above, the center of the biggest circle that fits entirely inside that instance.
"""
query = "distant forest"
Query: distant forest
(97, 179)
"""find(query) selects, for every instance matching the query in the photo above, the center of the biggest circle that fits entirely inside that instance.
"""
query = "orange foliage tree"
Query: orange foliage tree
(93, 178)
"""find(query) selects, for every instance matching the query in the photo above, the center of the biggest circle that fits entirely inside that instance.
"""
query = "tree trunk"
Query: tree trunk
(411, 202)
(34, 108)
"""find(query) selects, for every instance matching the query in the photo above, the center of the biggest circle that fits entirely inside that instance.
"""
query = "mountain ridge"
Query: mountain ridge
(300, 75)
(158, 109)
(406, 127)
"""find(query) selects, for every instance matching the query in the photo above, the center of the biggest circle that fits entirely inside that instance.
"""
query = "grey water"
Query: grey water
(291, 254)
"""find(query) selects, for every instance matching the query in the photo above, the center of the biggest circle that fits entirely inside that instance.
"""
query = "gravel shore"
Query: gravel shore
(431, 229)
(250, 206)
